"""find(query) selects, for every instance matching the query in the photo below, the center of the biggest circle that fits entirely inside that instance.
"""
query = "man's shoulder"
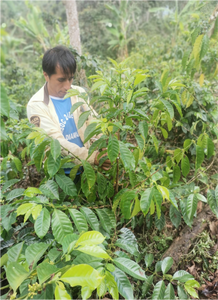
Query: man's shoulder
(38, 96)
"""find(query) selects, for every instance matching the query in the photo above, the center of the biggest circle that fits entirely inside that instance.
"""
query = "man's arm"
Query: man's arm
(41, 119)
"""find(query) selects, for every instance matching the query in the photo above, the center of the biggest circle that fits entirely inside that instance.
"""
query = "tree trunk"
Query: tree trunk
(73, 24)
(74, 34)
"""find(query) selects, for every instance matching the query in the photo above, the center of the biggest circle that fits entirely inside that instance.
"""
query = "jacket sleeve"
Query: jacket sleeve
(38, 116)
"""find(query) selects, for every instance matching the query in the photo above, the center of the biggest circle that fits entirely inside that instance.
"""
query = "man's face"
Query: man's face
(58, 83)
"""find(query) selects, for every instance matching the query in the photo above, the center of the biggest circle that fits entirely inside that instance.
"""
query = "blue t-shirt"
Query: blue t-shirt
(66, 121)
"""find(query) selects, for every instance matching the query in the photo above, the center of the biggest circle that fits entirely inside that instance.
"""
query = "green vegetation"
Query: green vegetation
(156, 98)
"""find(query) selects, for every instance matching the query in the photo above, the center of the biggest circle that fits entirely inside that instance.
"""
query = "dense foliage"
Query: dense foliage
(157, 118)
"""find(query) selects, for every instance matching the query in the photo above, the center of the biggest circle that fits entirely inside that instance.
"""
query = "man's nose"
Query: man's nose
(67, 85)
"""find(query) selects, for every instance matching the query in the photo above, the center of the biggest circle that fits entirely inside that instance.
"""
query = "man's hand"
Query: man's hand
(106, 164)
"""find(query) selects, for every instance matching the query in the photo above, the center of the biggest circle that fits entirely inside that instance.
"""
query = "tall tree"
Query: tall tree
(73, 24)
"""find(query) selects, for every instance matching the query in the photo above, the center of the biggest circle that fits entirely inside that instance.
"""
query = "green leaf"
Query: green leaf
(34, 252)
(127, 246)
(169, 293)
(210, 148)
(197, 46)
(8, 216)
(160, 223)
(74, 172)
(143, 129)
(61, 225)
(192, 283)
(113, 148)
(18, 163)
(182, 276)
(130, 267)
(186, 145)
(3, 133)
(2, 59)
(164, 132)
(75, 106)
(169, 108)
(181, 293)
(42, 223)
(83, 117)
(141, 113)
(204, 46)
(127, 156)
(178, 154)
(94, 250)
(191, 206)
(4, 260)
(83, 275)
(140, 141)
(111, 285)
(175, 216)
(60, 292)
(212, 202)
(69, 242)
(149, 258)
(155, 141)
(191, 291)
(91, 217)
(31, 192)
(159, 291)
(14, 252)
(176, 173)
(104, 220)
(102, 185)
(123, 284)
(53, 165)
(50, 189)
(16, 193)
(89, 172)
(55, 149)
(90, 238)
(25, 208)
(66, 184)
(147, 285)
(185, 58)
(125, 203)
(139, 78)
(9, 183)
(185, 165)
(71, 93)
(145, 201)
(96, 85)
(79, 220)
(166, 264)
(201, 198)
(15, 274)
(164, 192)
(5, 106)
(158, 200)
(44, 271)
(199, 156)
(90, 131)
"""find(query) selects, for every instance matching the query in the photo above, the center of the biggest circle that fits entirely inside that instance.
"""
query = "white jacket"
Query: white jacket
(41, 112)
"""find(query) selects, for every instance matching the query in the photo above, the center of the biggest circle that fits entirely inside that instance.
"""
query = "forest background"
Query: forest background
(148, 227)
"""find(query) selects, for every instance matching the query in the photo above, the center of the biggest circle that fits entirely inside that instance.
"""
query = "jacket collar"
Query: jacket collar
(46, 95)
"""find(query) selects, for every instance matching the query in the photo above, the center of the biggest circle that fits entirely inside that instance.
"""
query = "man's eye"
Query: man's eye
(61, 80)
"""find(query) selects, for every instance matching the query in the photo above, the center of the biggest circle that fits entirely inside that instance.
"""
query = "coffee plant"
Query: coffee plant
(64, 237)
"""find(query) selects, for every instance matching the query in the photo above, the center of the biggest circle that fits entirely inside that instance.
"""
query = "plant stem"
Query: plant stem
(117, 178)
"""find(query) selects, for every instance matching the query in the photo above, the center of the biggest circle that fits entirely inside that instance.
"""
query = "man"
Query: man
(49, 110)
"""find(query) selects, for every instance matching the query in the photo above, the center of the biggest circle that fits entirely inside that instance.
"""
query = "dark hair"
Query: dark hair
(61, 56)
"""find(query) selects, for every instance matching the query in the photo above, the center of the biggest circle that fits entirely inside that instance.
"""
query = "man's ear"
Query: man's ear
(46, 76)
